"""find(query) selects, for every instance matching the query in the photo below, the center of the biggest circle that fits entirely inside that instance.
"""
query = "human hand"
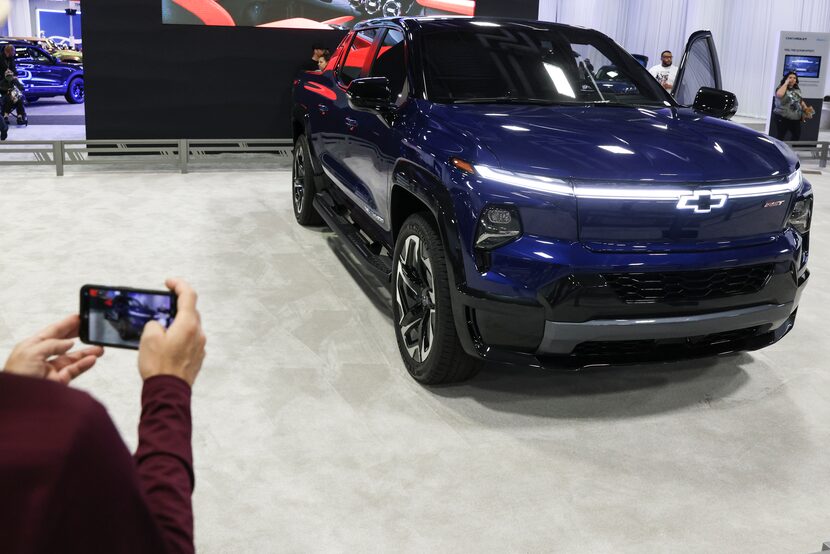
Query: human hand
(179, 350)
(45, 354)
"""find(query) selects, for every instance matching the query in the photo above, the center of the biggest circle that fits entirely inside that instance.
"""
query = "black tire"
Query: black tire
(422, 310)
(123, 328)
(75, 91)
(302, 185)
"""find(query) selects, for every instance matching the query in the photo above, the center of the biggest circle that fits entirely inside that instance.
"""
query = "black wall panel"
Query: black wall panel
(145, 79)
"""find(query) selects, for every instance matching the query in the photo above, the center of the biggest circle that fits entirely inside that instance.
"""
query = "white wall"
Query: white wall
(746, 33)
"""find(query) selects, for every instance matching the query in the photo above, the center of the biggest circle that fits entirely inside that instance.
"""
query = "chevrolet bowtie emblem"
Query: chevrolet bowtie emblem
(701, 201)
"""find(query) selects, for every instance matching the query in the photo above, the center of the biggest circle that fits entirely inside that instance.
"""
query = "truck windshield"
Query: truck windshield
(522, 63)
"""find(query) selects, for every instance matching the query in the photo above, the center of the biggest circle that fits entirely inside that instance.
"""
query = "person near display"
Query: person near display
(313, 64)
(69, 484)
(11, 92)
(790, 109)
(665, 72)
(323, 60)
(7, 60)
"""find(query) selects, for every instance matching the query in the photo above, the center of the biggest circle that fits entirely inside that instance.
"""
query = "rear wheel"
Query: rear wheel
(302, 185)
(422, 308)
(75, 91)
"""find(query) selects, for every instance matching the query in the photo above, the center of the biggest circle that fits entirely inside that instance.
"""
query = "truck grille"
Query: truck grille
(638, 288)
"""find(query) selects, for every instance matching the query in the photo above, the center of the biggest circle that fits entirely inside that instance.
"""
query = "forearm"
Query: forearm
(164, 458)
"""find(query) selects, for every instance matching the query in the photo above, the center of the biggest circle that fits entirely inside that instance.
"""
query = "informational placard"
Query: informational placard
(808, 56)
(303, 14)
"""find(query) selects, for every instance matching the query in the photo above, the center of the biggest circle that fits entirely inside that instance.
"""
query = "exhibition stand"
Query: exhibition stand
(807, 55)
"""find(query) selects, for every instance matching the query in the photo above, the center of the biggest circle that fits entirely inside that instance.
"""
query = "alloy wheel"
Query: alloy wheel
(391, 8)
(415, 297)
(298, 179)
(78, 90)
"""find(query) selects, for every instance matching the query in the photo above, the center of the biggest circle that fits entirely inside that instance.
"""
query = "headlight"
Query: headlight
(524, 180)
(802, 215)
(497, 226)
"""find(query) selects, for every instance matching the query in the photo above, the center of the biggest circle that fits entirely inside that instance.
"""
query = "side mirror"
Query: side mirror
(370, 92)
(715, 102)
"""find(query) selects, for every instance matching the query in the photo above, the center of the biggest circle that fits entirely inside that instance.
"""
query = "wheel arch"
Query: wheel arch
(300, 126)
(416, 189)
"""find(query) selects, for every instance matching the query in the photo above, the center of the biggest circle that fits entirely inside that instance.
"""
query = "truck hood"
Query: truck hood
(611, 143)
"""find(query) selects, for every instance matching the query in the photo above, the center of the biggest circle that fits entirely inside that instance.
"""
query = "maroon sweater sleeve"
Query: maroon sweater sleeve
(164, 459)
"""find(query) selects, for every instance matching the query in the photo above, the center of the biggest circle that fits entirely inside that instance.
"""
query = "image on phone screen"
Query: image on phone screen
(117, 316)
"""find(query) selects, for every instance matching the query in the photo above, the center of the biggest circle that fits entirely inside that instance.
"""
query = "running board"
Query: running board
(379, 265)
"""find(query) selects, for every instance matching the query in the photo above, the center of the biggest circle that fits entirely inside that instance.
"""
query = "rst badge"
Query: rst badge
(701, 201)
(773, 203)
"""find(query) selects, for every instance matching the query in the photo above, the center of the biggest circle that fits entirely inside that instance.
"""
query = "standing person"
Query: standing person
(323, 60)
(665, 72)
(68, 482)
(11, 92)
(7, 60)
(316, 51)
(789, 108)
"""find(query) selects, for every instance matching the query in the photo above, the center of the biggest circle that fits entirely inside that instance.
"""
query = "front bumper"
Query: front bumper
(579, 319)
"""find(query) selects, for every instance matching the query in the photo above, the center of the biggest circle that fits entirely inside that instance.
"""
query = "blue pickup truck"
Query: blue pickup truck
(524, 213)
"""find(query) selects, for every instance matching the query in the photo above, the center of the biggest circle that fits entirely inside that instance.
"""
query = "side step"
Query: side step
(379, 265)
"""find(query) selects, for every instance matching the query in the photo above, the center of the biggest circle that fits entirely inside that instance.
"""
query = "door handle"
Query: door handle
(323, 109)
(351, 123)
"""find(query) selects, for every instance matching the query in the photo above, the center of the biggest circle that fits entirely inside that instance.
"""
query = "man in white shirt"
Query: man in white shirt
(665, 72)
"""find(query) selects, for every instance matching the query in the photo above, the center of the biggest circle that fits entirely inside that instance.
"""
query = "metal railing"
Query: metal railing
(180, 153)
(819, 148)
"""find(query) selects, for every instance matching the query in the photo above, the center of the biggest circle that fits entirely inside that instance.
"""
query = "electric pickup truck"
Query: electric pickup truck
(522, 212)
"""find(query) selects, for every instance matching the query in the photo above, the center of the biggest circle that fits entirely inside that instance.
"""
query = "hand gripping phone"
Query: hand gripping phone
(116, 316)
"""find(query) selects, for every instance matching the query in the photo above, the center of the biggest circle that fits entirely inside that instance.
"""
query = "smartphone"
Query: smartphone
(116, 316)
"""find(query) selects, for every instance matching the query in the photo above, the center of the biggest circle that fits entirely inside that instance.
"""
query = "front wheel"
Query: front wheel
(422, 308)
(75, 91)
(302, 185)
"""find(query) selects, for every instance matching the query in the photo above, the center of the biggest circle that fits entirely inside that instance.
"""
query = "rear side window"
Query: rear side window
(390, 62)
(356, 55)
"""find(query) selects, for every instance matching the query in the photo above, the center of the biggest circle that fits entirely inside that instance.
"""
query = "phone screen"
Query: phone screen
(116, 316)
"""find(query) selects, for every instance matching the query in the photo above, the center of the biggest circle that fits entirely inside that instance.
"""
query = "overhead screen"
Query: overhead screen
(303, 14)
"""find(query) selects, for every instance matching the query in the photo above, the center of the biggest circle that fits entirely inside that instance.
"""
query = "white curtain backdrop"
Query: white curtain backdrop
(745, 31)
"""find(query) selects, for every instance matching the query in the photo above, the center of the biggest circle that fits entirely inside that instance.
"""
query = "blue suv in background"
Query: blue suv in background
(524, 212)
(43, 75)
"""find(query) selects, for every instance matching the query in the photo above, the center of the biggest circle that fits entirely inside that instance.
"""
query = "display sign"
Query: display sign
(303, 14)
(62, 27)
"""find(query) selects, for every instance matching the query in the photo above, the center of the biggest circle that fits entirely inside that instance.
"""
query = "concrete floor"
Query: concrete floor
(310, 437)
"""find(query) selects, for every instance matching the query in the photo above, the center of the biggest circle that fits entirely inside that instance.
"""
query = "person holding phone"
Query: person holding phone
(68, 482)
(789, 108)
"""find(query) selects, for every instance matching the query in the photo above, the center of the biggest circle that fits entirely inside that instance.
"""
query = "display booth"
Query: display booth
(808, 55)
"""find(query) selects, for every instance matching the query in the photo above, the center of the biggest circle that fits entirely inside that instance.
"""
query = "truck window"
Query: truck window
(390, 62)
(356, 56)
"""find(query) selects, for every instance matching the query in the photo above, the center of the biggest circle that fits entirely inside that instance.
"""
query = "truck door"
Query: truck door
(374, 144)
(698, 68)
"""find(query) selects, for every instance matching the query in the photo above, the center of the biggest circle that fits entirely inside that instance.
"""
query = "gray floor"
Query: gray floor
(310, 437)
(51, 119)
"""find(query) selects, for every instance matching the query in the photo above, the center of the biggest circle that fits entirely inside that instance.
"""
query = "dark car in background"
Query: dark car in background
(524, 213)
(128, 316)
(43, 75)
